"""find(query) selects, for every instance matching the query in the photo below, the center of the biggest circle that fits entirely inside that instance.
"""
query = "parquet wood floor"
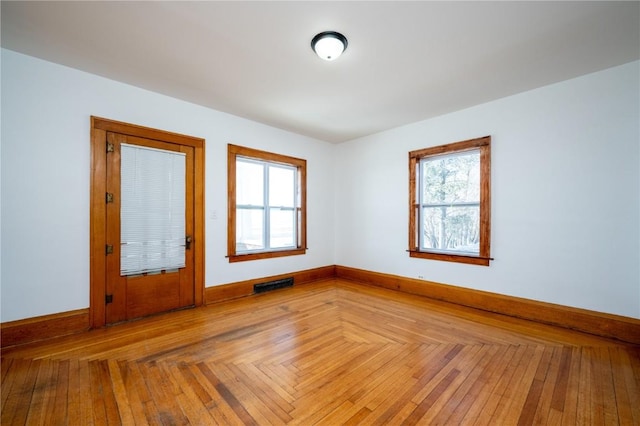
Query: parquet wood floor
(327, 353)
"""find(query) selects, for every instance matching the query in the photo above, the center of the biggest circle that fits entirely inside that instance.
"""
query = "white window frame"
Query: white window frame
(423, 204)
(266, 206)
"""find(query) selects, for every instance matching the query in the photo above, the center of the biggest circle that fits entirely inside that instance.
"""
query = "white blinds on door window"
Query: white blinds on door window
(152, 210)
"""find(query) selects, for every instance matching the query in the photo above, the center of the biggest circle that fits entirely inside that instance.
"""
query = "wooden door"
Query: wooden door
(117, 297)
(142, 294)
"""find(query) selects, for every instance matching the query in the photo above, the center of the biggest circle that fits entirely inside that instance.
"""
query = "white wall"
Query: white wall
(45, 181)
(565, 189)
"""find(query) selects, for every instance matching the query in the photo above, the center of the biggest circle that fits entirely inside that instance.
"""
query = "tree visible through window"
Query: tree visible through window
(450, 202)
(266, 204)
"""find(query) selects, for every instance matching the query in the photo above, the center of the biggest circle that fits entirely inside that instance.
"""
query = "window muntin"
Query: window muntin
(450, 202)
(267, 201)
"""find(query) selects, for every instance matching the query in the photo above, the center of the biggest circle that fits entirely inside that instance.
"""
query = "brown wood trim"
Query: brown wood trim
(231, 202)
(413, 205)
(224, 292)
(98, 227)
(455, 146)
(472, 260)
(264, 255)
(198, 238)
(66, 323)
(485, 199)
(601, 324)
(145, 132)
(43, 327)
(266, 156)
(606, 325)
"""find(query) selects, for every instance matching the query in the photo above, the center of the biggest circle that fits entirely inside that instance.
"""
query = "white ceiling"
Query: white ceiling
(406, 61)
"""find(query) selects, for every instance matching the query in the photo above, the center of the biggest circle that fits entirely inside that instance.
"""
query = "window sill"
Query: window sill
(264, 255)
(448, 257)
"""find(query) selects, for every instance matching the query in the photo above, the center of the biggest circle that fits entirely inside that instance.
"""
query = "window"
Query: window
(450, 202)
(267, 205)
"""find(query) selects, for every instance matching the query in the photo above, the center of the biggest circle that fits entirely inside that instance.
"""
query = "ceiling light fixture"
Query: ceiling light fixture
(329, 45)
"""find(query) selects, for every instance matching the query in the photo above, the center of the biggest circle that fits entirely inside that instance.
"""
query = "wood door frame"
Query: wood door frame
(97, 215)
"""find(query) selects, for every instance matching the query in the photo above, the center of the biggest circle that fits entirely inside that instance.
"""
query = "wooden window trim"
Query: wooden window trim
(484, 144)
(235, 151)
(99, 129)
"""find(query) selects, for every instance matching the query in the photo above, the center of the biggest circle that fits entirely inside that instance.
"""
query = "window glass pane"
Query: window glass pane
(452, 228)
(249, 229)
(451, 178)
(281, 186)
(249, 183)
(152, 210)
(281, 229)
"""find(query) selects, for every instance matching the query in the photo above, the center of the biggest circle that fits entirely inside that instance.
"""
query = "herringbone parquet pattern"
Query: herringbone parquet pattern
(328, 353)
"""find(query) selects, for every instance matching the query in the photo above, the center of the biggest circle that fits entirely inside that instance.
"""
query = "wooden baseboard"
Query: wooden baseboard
(66, 323)
(224, 292)
(601, 324)
(43, 327)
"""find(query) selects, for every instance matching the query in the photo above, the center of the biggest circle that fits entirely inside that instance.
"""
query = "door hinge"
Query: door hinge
(187, 242)
(108, 298)
(109, 197)
(108, 249)
(110, 147)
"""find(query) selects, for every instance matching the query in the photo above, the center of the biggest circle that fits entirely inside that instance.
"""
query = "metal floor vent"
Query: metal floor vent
(273, 285)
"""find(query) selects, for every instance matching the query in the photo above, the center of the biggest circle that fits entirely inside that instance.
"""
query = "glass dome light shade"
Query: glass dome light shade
(329, 45)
